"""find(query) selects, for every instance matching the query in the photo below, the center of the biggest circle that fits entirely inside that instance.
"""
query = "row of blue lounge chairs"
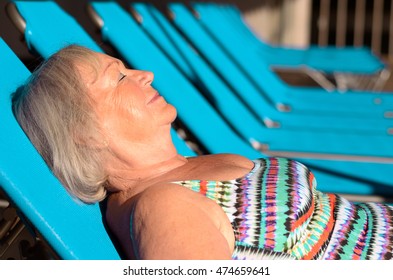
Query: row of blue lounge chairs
(226, 95)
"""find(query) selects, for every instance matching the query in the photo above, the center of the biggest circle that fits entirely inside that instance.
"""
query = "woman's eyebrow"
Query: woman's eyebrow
(109, 65)
(103, 72)
(116, 61)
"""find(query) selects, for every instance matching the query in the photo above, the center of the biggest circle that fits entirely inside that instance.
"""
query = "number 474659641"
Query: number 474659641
(242, 270)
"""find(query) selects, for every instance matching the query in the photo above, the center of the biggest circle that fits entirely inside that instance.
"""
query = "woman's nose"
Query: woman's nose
(143, 77)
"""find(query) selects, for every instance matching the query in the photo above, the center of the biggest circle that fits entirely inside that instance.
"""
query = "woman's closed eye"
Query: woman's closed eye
(121, 76)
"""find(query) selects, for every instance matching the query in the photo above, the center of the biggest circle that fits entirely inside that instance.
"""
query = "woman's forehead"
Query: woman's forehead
(104, 59)
(98, 69)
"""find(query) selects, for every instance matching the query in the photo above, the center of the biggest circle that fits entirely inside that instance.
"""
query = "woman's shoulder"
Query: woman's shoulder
(155, 199)
(160, 194)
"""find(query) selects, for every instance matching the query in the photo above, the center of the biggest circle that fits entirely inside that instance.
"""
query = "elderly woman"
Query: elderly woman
(105, 131)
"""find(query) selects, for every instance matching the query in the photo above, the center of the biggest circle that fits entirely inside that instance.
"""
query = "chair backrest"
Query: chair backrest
(142, 12)
(244, 52)
(74, 230)
(256, 83)
(231, 15)
(41, 39)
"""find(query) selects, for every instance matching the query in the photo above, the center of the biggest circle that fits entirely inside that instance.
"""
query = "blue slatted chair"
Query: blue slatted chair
(200, 118)
(74, 230)
(327, 59)
(266, 83)
(226, 100)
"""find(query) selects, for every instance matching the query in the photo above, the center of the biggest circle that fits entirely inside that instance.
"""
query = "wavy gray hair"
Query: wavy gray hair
(54, 110)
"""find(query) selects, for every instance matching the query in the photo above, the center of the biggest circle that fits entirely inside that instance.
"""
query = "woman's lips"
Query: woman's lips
(155, 97)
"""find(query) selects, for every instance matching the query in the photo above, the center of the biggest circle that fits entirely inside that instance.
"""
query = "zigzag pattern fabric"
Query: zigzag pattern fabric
(277, 213)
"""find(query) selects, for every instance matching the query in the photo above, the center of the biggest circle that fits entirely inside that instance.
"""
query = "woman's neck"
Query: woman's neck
(127, 175)
(133, 162)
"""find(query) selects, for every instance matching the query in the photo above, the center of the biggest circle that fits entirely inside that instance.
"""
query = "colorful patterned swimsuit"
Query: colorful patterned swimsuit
(276, 212)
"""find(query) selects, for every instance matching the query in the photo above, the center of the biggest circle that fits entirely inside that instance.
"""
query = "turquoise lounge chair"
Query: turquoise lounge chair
(358, 64)
(73, 230)
(327, 58)
(226, 100)
(266, 83)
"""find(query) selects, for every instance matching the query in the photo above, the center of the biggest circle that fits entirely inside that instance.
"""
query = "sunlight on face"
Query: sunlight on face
(128, 108)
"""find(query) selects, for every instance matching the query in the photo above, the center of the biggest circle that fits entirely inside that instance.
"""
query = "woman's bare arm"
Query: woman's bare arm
(171, 222)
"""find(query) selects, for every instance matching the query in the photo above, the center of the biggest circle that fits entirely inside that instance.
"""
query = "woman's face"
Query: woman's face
(126, 104)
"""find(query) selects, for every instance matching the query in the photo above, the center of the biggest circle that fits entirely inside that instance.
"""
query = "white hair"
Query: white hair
(54, 110)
